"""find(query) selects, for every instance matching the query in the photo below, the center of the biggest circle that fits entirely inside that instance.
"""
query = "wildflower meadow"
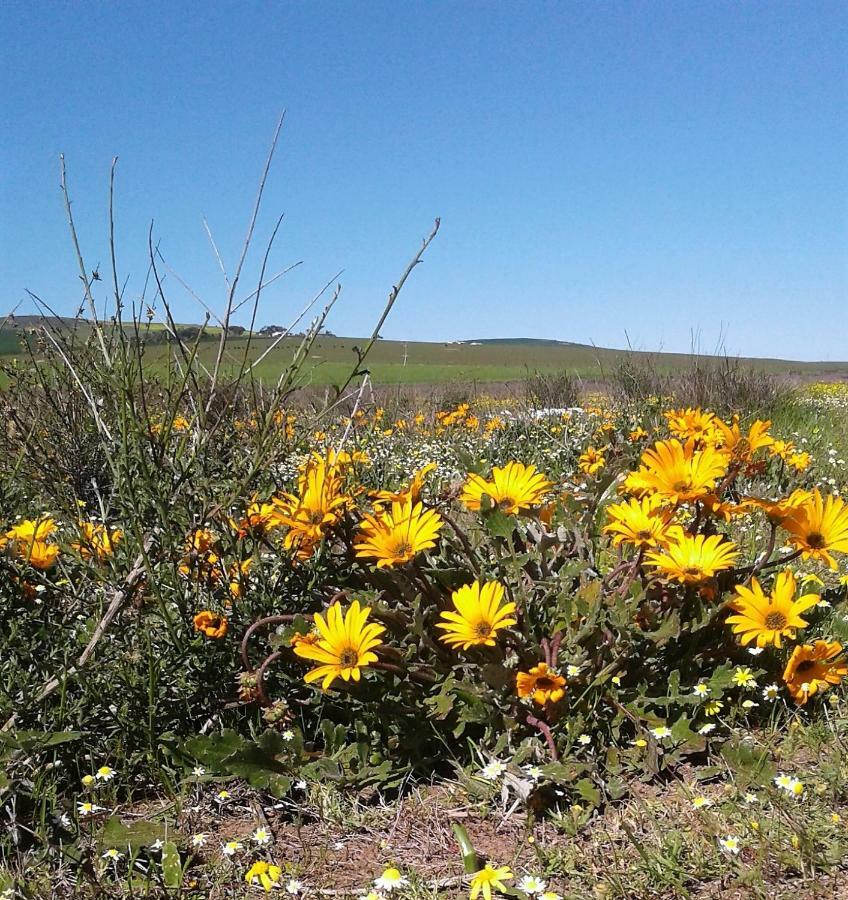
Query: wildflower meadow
(264, 639)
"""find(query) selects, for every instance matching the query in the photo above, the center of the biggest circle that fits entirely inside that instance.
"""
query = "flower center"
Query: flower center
(816, 540)
(483, 629)
(402, 548)
(692, 570)
(805, 665)
(776, 621)
(348, 658)
(681, 486)
(506, 503)
(545, 683)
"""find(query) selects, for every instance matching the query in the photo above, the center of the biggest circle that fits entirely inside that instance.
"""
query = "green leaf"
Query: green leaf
(499, 524)
(588, 791)
(135, 835)
(211, 749)
(172, 869)
(33, 740)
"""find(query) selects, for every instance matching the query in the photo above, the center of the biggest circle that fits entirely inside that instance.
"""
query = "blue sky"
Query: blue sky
(604, 171)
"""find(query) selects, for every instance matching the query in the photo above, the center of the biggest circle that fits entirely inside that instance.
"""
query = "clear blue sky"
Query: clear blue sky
(600, 168)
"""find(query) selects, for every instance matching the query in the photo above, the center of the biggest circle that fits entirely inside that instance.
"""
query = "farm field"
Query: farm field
(415, 362)
(261, 641)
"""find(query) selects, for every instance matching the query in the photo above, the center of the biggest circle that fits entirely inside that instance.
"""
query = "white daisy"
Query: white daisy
(530, 884)
(390, 879)
(493, 770)
(729, 844)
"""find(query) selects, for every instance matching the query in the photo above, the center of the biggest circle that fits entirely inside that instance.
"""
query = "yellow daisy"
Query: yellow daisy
(813, 668)
(396, 536)
(479, 615)
(769, 619)
(513, 488)
(819, 526)
(678, 472)
(693, 559)
(642, 523)
(345, 647)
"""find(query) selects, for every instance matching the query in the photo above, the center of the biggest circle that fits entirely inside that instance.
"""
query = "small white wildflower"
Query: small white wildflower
(701, 802)
(294, 886)
(390, 879)
(530, 884)
(706, 729)
(105, 773)
(88, 809)
(789, 784)
(112, 854)
(197, 771)
(288, 735)
(584, 739)
(701, 689)
(493, 770)
(755, 651)
(750, 798)
(158, 844)
(662, 731)
(771, 692)
(534, 773)
(231, 848)
(262, 836)
(198, 840)
(729, 844)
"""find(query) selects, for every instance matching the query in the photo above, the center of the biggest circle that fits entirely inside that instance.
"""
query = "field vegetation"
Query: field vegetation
(574, 641)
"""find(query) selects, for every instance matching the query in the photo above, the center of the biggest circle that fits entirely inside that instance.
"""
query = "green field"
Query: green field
(419, 362)
(399, 362)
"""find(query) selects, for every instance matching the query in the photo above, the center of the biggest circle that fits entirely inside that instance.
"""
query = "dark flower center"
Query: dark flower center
(348, 658)
(805, 665)
(483, 629)
(816, 540)
(775, 621)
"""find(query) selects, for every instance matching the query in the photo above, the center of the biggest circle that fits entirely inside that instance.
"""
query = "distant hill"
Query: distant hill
(485, 360)
(542, 342)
